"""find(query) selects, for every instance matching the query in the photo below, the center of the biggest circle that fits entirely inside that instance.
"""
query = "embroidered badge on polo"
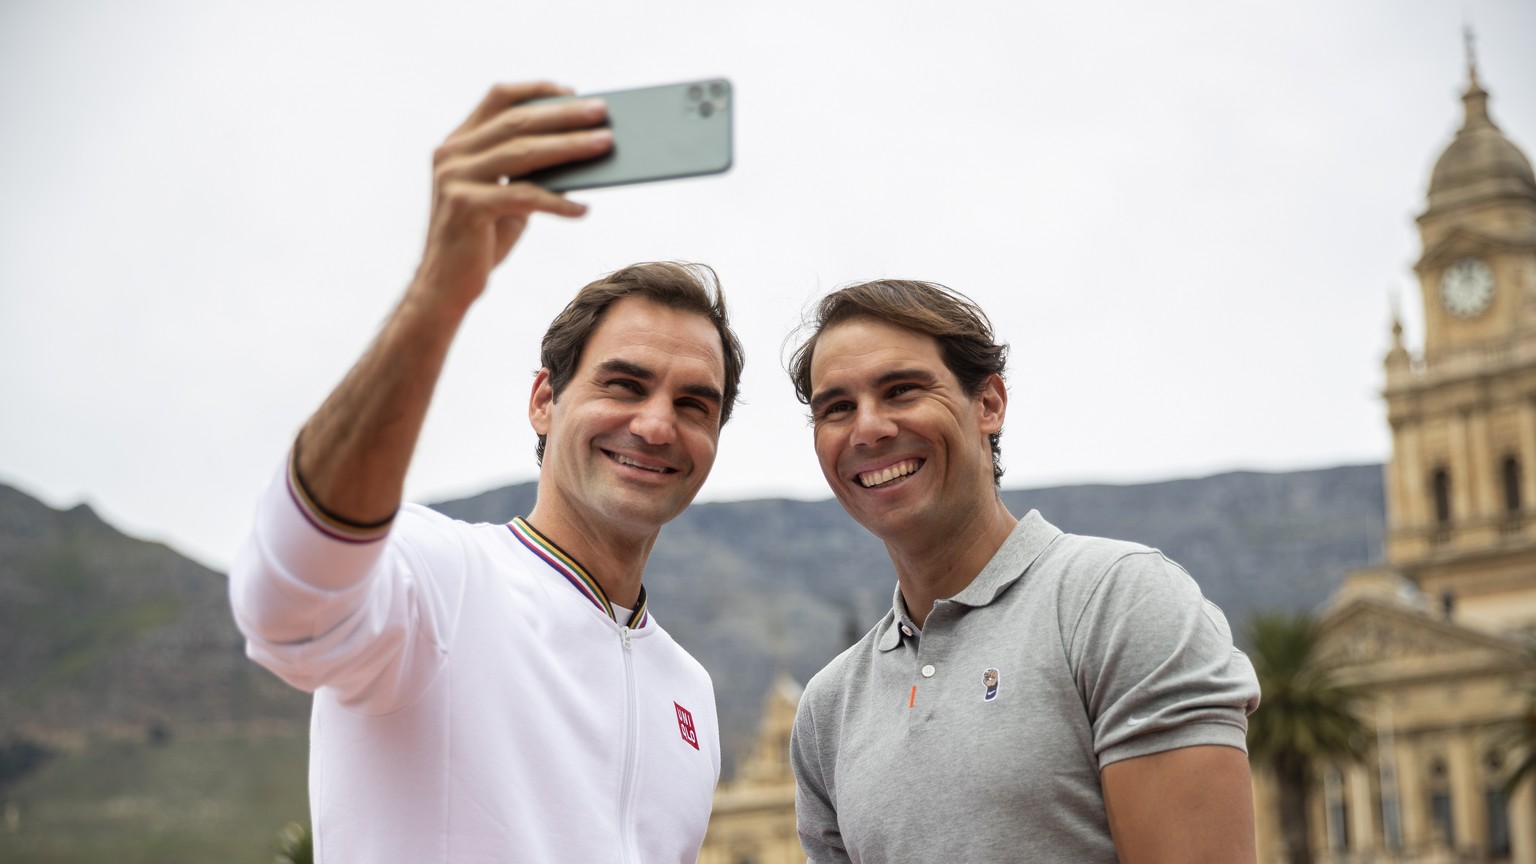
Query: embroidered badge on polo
(685, 725)
(989, 680)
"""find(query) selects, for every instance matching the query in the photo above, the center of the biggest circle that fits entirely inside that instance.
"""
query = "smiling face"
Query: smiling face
(903, 446)
(633, 435)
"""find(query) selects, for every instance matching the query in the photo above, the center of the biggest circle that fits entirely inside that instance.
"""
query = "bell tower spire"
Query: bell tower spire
(1470, 41)
(1475, 99)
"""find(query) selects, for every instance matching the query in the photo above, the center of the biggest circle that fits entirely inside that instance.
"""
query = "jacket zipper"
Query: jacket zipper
(631, 750)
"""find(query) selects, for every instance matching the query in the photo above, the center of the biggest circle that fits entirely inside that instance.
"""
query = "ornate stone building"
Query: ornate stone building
(1440, 634)
(754, 817)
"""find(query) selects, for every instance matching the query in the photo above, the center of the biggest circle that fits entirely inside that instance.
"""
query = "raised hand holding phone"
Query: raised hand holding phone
(357, 447)
(481, 201)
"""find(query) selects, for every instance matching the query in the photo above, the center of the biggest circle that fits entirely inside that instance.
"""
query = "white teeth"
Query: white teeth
(886, 475)
(625, 460)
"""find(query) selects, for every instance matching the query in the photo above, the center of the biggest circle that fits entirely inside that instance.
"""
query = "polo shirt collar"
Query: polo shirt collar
(892, 626)
(1025, 542)
(889, 635)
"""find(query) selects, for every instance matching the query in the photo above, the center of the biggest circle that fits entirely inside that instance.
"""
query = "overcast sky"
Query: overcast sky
(1188, 219)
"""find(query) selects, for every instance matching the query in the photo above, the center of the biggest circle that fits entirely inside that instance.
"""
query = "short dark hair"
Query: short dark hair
(675, 285)
(963, 332)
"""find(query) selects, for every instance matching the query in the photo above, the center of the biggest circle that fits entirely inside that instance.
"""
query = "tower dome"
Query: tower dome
(1480, 163)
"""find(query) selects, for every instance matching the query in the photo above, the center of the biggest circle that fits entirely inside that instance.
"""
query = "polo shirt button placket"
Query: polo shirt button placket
(924, 712)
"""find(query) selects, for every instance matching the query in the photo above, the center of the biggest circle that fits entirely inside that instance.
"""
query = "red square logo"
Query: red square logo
(685, 725)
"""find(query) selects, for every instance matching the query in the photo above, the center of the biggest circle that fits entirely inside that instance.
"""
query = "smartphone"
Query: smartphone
(659, 133)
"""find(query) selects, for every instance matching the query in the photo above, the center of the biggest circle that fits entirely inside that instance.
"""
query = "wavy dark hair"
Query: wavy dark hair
(675, 285)
(963, 332)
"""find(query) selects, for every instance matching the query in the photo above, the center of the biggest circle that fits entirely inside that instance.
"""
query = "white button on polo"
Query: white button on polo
(907, 630)
(928, 671)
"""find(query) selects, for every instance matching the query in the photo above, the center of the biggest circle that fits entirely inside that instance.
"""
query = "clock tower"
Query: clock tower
(1436, 636)
(1461, 485)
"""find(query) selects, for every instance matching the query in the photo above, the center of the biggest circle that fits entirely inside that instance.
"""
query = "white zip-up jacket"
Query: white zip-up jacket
(474, 701)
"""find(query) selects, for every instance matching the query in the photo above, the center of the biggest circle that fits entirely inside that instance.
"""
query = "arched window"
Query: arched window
(1442, 827)
(1440, 484)
(1496, 804)
(1511, 484)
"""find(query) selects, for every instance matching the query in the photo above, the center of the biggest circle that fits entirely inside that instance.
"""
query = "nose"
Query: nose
(655, 422)
(871, 426)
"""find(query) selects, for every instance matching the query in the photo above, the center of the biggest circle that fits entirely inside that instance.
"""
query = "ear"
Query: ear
(992, 404)
(541, 403)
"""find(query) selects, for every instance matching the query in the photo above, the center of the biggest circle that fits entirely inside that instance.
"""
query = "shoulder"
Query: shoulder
(1096, 554)
(1099, 568)
(829, 687)
(1095, 582)
(423, 518)
(425, 529)
(415, 521)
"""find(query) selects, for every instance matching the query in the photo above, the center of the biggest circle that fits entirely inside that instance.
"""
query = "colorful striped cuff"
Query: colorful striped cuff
(326, 522)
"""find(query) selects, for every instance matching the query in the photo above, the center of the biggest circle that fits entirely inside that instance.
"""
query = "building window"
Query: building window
(1497, 806)
(1440, 484)
(1391, 818)
(1442, 828)
(1440, 819)
(1498, 824)
(1390, 815)
(1338, 810)
(1391, 824)
(1511, 484)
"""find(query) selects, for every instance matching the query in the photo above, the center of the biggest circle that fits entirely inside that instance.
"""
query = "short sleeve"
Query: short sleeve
(1156, 665)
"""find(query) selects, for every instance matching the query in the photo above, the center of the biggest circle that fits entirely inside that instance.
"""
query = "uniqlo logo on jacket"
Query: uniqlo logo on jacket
(685, 725)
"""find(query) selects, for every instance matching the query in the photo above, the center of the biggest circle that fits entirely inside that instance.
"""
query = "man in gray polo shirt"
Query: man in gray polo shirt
(1032, 695)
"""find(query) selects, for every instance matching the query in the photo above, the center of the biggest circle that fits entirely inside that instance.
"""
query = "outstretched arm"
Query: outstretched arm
(352, 455)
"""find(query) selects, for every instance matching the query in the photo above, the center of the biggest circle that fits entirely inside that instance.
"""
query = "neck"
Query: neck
(614, 559)
(942, 563)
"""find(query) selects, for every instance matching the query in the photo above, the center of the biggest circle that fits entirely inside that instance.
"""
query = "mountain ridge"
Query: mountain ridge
(102, 634)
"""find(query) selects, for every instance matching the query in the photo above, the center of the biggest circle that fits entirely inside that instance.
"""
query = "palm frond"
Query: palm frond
(1304, 715)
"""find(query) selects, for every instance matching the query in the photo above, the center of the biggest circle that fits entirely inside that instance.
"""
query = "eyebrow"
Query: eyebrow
(916, 374)
(634, 370)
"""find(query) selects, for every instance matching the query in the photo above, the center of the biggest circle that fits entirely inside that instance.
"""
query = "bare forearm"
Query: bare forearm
(355, 451)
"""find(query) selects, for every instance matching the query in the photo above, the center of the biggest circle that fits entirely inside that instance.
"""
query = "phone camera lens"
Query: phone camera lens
(706, 109)
(695, 92)
(716, 89)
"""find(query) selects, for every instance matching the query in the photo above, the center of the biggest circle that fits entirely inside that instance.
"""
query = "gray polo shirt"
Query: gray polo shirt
(981, 738)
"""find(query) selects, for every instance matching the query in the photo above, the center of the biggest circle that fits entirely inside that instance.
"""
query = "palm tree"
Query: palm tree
(1525, 745)
(1304, 718)
(1522, 740)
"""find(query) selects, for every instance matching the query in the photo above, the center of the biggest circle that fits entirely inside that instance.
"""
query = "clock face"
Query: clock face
(1466, 287)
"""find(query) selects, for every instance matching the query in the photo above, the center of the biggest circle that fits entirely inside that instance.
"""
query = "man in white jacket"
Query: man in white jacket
(501, 692)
